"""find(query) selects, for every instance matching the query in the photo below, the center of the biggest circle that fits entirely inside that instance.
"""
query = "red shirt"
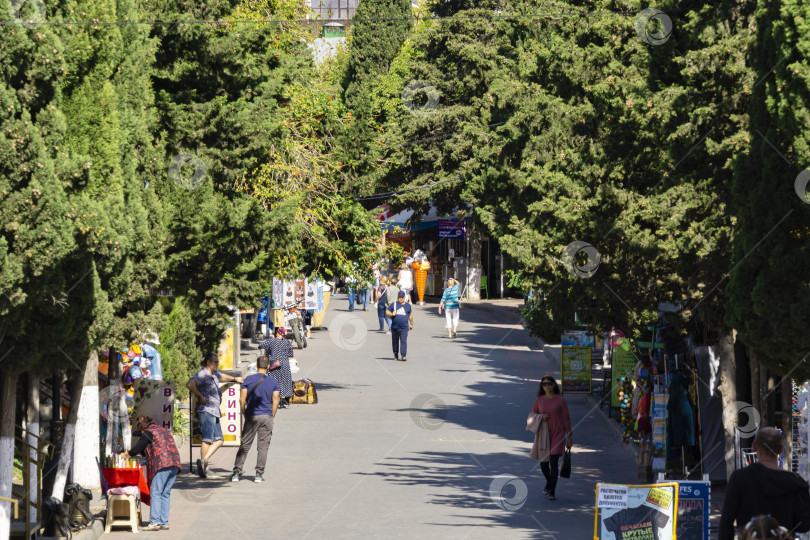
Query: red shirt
(559, 423)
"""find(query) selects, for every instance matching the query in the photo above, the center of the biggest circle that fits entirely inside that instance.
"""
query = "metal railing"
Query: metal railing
(16, 504)
(43, 451)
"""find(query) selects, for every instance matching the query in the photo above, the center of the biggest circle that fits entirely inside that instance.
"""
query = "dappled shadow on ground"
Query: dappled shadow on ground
(509, 486)
(498, 406)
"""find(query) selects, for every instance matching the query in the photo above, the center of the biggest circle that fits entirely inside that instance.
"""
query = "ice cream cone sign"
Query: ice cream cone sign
(420, 266)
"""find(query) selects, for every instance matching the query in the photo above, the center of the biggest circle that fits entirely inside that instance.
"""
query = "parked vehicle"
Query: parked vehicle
(295, 324)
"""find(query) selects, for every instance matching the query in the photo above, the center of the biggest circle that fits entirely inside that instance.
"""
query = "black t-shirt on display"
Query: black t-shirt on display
(640, 523)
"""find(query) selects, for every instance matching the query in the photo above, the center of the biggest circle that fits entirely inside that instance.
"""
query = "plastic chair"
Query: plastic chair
(122, 511)
(484, 285)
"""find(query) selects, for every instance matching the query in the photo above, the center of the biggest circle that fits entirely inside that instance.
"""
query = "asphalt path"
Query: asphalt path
(432, 447)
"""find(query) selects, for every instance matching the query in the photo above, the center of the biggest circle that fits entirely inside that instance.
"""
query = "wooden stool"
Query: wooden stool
(122, 511)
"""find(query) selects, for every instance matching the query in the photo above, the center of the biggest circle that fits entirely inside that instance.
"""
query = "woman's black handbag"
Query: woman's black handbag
(565, 470)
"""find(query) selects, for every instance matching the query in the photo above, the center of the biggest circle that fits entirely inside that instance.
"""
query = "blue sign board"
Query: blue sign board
(693, 510)
(452, 229)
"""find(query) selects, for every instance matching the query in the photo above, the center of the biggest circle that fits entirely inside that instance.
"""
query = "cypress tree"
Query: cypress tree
(380, 27)
(769, 293)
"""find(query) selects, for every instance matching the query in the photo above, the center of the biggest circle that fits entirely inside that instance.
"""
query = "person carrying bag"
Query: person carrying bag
(552, 406)
(258, 399)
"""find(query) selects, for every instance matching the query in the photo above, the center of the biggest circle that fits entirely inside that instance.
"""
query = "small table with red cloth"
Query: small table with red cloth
(127, 477)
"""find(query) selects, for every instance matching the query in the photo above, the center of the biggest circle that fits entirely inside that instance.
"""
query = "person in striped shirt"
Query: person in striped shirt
(450, 304)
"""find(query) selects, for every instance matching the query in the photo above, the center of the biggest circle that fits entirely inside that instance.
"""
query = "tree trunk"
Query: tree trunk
(728, 391)
(32, 426)
(770, 391)
(110, 394)
(8, 387)
(474, 263)
(767, 382)
(68, 436)
(86, 443)
(787, 421)
(756, 390)
(56, 385)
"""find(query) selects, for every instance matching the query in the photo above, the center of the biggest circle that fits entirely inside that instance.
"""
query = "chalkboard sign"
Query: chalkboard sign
(693, 510)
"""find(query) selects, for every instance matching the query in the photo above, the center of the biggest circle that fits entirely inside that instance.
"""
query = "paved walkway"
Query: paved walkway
(431, 447)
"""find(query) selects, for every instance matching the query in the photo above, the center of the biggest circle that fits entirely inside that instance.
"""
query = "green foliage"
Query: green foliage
(180, 423)
(379, 30)
(769, 293)
(77, 233)
(179, 354)
(556, 130)
(219, 92)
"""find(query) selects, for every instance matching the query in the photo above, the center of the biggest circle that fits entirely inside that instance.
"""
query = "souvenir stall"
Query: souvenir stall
(140, 390)
(801, 433)
(443, 240)
(655, 391)
(309, 295)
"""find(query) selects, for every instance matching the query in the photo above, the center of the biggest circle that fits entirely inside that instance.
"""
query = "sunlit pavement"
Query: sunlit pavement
(432, 447)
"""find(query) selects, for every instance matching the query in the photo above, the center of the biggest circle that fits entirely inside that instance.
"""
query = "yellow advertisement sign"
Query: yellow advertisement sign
(576, 370)
(225, 351)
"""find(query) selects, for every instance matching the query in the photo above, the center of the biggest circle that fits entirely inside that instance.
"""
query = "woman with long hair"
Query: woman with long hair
(551, 403)
(405, 281)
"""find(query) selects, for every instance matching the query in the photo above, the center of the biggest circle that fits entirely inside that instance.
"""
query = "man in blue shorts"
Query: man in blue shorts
(205, 385)
(402, 321)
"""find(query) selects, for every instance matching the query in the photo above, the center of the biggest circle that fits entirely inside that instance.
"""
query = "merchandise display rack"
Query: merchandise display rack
(800, 459)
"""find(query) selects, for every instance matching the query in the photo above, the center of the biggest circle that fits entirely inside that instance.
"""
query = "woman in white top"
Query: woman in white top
(405, 281)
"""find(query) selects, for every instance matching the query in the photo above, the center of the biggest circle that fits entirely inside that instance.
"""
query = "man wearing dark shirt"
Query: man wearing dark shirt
(764, 488)
(259, 401)
(401, 321)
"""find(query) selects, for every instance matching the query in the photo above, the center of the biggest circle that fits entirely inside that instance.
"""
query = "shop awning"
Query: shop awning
(404, 220)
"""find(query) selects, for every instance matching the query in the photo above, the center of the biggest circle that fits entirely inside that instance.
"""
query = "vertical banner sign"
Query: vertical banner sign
(230, 421)
(636, 512)
(693, 510)
(231, 412)
(576, 370)
(154, 399)
(624, 362)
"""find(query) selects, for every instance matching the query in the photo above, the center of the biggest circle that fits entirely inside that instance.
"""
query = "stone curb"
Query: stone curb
(90, 533)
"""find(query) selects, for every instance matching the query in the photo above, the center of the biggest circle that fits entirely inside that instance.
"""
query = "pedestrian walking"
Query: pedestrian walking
(351, 286)
(280, 350)
(764, 488)
(259, 400)
(401, 314)
(450, 304)
(205, 385)
(377, 275)
(364, 294)
(550, 402)
(380, 300)
(162, 465)
(405, 281)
